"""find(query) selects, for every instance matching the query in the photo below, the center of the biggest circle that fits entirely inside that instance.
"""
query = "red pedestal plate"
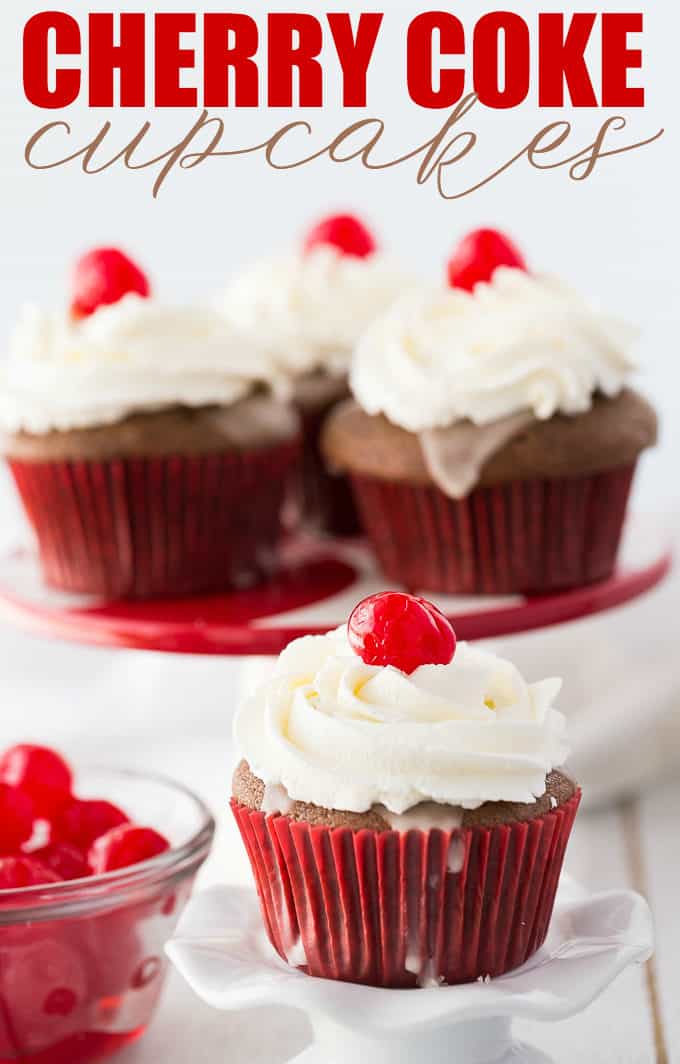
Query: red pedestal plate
(319, 583)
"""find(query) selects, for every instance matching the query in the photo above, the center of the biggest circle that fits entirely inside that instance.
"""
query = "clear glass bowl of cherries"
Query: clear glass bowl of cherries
(94, 874)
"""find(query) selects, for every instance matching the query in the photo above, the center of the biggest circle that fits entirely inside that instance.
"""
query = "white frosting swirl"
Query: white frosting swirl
(309, 309)
(521, 342)
(132, 356)
(341, 734)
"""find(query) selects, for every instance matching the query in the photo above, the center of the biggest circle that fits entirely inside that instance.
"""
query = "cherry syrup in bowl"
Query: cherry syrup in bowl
(82, 960)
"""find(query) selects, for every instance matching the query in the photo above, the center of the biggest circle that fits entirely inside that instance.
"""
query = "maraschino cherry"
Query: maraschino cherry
(41, 773)
(401, 630)
(16, 818)
(86, 836)
(65, 860)
(479, 255)
(125, 846)
(102, 277)
(344, 232)
(81, 822)
(18, 872)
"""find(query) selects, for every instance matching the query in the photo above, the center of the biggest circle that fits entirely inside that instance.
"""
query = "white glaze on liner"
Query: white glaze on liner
(420, 964)
(276, 800)
(455, 859)
(133, 356)
(423, 817)
(344, 735)
(295, 955)
(308, 310)
(520, 343)
(455, 456)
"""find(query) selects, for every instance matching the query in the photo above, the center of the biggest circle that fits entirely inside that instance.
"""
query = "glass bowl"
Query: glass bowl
(82, 962)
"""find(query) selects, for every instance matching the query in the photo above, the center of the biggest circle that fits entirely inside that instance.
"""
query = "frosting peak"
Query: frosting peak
(344, 735)
(309, 309)
(131, 356)
(519, 343)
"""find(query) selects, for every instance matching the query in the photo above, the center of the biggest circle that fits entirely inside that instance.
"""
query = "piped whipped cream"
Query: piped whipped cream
(132, 356)
(310, 309)
(519, 343)
(335, 732)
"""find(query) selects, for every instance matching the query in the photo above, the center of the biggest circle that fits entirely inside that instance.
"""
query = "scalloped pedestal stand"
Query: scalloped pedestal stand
(221, 950)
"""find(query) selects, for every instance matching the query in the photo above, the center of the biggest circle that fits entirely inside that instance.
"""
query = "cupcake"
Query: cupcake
(308, 309)
(149, 456)
(401, 802)
(492, 439)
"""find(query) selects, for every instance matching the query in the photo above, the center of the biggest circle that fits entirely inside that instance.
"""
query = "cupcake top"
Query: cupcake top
(102, 361)
(497, 343)
(352, 720)
(309, 307)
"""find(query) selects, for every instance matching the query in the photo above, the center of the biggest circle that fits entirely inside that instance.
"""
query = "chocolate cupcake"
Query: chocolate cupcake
(308, 309)
(493, 441)
(401, 802)
(149, 456)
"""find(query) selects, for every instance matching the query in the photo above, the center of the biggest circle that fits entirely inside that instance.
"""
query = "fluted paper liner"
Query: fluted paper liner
(406, 909)
(140, 527)
(532, 536)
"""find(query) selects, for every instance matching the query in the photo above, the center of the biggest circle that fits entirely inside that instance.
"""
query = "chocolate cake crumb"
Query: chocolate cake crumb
(610, 435)
(248, 790)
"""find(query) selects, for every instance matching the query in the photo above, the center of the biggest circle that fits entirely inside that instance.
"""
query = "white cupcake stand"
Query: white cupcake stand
(221, 950)
(585, 635)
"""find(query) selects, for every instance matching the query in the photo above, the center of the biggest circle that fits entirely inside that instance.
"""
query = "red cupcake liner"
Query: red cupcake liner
(531, 536)
(406, 909)
(326, 500)
(141, 527)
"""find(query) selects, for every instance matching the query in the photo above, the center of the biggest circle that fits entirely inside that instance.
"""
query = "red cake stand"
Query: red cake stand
(319, 583)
